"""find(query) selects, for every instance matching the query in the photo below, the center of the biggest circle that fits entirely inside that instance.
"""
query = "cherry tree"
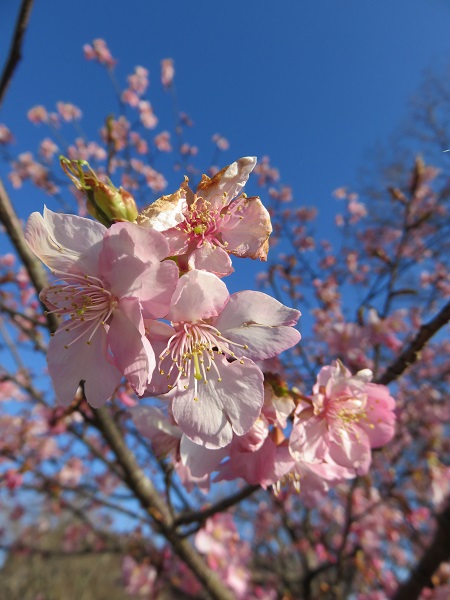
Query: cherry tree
(245, 460)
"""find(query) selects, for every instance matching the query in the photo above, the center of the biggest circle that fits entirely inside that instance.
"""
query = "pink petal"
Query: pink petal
(254, 467)
(158, 283)
(229, 181)
(202, 420)
(242, 317)
(200, 460)
(133, 271)
(241, 392)
(309, 439)
(248, 237)
(65, 243)
(199, 295)
(351, 450)
(132, 352)
(129, 239)
(159, 334)
(177, 241)
(237, 398)
(151, 421)
(212, 259)
(380, 423)
(81, 362)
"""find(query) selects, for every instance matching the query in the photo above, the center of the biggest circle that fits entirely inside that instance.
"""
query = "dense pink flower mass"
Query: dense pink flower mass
(204, 228)
(344, 418)
(206, 355)
(108, 281)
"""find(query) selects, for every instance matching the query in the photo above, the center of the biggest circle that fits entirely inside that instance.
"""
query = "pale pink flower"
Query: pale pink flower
(205, 356)
(167, 72)
(147, 116)
(312, 479)
(48, 149)
(6, 136)
(38, 114)
(113, 279)
(139, 578)
(86, 151)
(262, 465)
(346, 417)
(26, 167)
(267, 174)
(71, 472)
(162, 141)
(284, 194)
(130, 97)
(153, 178)
(69, 112)
(138, 81)
(138, 142)
(204, 228)
(99, 51)
(221, 142)
(216, 535)
(7, 260)
(226, 553)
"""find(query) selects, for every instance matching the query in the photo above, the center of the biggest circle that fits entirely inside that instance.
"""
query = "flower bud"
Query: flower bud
(104, 201)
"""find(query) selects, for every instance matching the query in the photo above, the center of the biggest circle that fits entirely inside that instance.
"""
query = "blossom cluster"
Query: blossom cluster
(144, 299)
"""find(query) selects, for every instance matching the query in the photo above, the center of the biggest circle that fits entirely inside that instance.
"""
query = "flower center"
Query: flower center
(192, 350)
(204, 222)
(84, 299)
(201, 221)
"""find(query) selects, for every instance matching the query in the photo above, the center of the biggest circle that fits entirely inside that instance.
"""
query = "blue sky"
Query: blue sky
(311, 84)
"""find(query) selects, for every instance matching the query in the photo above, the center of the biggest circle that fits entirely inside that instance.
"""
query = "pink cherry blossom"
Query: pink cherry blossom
(167, 72)
(38, 114)
(113, 279)
(345, 417)
(6, 136)
(139, 578)
(147, 116)
(221, 142)
(47, 149)
(205, 227)
(99, 51)
(69, 112)
(162, 141)
(205, 356)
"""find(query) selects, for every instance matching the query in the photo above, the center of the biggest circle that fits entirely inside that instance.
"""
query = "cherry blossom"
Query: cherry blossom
(113, 279)
(99, 51)
(205, 227)
(345, 417)
(205, 356)
(167, 72)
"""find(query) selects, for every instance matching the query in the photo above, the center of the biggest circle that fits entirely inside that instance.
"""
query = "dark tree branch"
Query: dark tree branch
(15, 52)
(412, 352)
(201, 515)
(436, 553)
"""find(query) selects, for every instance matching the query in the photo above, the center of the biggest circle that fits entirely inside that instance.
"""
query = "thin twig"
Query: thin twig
(15, 52)
(195, 516)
